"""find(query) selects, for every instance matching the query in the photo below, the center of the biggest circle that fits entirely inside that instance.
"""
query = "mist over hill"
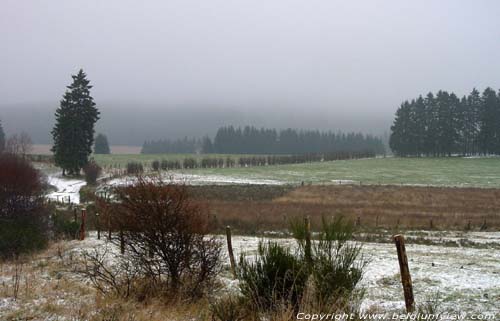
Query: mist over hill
(133, 123)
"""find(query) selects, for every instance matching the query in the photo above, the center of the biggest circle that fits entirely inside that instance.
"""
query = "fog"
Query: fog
(175, 68)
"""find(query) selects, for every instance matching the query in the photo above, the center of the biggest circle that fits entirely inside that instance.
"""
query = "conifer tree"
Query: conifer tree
(2, 139)
(101, 145)
(73, 133)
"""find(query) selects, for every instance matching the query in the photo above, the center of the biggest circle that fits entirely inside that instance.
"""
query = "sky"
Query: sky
(344, 64)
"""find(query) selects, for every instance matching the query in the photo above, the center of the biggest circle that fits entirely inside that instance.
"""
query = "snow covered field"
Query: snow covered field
(462, 279)
(65, 188)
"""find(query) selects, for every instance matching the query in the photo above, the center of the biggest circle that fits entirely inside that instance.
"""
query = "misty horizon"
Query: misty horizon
(173, 69)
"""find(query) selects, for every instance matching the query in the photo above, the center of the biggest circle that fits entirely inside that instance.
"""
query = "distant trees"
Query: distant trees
(19, 144)
(101, 145)
(251, 140)
(73, 132)
(163, 146)
(2, 138)
(442, 124)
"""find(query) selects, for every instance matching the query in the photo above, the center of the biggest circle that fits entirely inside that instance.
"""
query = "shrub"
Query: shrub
(276, 277)
(323, 275)
(229, 308)
(91, 172)
(336, 264)
(24, 219)
(155, 165)
(87, 193)
(165, 233)
(119, 275)
(64, 226)
(134, 168)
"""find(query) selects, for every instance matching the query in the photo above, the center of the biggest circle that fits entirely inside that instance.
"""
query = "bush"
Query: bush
(155, 165)
(229, 308)
(91, 172)
(335, 264)
(134, 168)
(337, 267)
(323, 275)
(166, 235)
(24, 219)
(65, 227)
(277, 277)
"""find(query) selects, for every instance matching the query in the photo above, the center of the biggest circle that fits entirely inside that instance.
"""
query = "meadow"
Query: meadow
(451, 171)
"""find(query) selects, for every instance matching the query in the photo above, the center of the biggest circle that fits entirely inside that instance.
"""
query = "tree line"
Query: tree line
(443, 124)
(250, 161)
(251, 140)
(164, 146)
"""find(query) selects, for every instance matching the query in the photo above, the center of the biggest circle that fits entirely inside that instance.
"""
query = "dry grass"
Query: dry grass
(390, 207)
(50, 290)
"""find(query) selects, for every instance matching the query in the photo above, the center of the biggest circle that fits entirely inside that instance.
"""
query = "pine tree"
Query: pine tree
(207, 146)
(101, 145)
(488, 122)
(2, 139)
(73, 133)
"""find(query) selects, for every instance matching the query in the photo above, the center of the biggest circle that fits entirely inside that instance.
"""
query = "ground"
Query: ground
(458, 279)
(445, 171)
(440, 205)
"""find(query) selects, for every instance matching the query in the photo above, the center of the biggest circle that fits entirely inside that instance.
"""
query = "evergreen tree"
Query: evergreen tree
(2, 139)
(443, 125)
(207, 146)
(488, 122)
(101, 145)
(73, 133)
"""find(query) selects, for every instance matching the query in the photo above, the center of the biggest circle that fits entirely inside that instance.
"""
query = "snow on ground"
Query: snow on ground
(463, 279)
(71, 187)
(65, 188)
(193, 179)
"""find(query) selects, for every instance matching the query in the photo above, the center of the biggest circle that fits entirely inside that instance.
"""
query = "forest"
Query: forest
(443, 124)
(252, 140)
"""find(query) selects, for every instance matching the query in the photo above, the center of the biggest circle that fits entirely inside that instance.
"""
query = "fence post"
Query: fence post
(98, 223)
(405, 273)
(230, 251)
(122, 242)
(82, 225)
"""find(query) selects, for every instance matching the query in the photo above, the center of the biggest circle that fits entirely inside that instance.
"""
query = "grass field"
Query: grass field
(121, 160)
(453, 171)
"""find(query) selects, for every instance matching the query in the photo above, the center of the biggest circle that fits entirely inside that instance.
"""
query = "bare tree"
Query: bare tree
(19, 144)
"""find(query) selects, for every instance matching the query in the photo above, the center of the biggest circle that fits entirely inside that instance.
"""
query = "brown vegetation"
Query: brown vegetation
(258, 209)
(164, 236)
(23, 215)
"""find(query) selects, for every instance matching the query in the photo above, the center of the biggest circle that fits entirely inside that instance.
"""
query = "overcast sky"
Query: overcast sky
(351, 57)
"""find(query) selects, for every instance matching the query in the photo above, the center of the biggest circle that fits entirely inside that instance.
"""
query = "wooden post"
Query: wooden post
(82, 225)
(230, 251)
(376, 222)
(405, 273)
(307, 250)
(98, 223)
(122, 242)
